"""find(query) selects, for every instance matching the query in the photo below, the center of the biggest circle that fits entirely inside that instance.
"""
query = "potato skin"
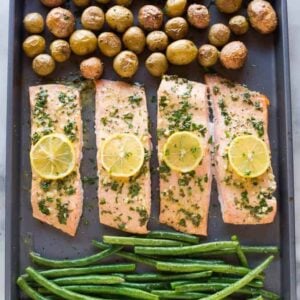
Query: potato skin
(198, 16)
(60, 22)
(83, 42)
(34, 23)
(228, 6)
(81, 3)
(109, 44)
(150, 17)
(181, 52)
(93, 18)
(134, 39)
(43, 65)
(262, 16)
(60, 50)
(177, 28)
(91, 68)
(34, 45)
(219, 34)
(119, 18)
(208, 55)
(157, 64)
(175, 8)
(239, 25)
(234, 55)
(126, 64)
(52, 3)
(157, 41)
(124, 2)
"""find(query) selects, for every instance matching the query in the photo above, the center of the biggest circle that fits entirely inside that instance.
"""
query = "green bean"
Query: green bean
(147, 286)
(28, 291)
(56, 273)
(186, 268)
(115, 290)
(253, 283)
(175, 284)
(54, 288)
(146, 277)
(240, 253)
(128, 255)
(166, 294)
(135, 241)
(89, 279)
(66, 263)
(200, 261)
(242, 282)
(185, 250)
(183, 237)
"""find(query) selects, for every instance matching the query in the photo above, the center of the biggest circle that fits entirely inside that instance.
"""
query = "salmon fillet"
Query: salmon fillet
(239, 111)
(122, 108)
(57, 109)
(184, 197)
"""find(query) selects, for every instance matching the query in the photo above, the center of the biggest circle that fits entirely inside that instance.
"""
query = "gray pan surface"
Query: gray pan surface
(266, 71)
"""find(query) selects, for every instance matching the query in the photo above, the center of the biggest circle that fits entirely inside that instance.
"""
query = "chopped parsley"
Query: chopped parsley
(134, 189)
(258, 126)
(70, 130)
(135, 100)
(62, 211)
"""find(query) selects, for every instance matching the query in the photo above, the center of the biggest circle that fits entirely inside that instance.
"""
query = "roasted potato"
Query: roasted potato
(126, 64)
(198, 16)
(119, 18)
(81, 3)
(91, 68)
(124, 2)
(53, 3)
(157, 64)
(34, 23)
(157, 41)
(219, 35)
(182, 52)
(175, 8)
(239, 25)
(228, 6)
(60, 50)
(43, 65)
(134, 39)
(208, 55)
(93, 18)
(109, 44)
(103, 1)
(262, 16)
(34, 45)
(83, 42)
(60, 22)
(234, 55)
(150, 17)
(177, 28)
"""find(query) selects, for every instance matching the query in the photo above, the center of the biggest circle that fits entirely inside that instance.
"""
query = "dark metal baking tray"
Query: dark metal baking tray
(267, 70)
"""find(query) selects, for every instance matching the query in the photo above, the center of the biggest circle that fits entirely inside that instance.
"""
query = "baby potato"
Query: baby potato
(103, 1)
(157, 64)
(208, 55)
(126, 64)
(34, 45)
(81, 3)
(262, 16)
(91, 68)
(83, 42)
(175, 8)
(219, 35)
(239, 25)
(93, 18)
(182, 52)
(60, 50)
(228, 6)
(43, 65)
(109, 44)
(150, 17)
(134, 39)
(234, 55)
(34, 23)
(60, 22)
(157, 41)
(198, 16)
(53, 3)
(177, 28)
(124, 2)
(119, 18)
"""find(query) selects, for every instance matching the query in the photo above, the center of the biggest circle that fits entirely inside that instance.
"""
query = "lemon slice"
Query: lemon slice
(122, 155)
(183, 151)
(53, 156)
(249, 156)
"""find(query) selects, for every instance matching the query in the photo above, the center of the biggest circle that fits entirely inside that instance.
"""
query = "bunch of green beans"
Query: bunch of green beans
(180, 270)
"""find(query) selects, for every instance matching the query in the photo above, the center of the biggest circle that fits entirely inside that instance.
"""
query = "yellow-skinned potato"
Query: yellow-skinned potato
(228, 6)
(81, 3)
(157, 41)
(234, 55)
(60, 50)
(119, 18)
(91, 68)
(93, 18)
(175, 8)
(126, 64)
(182, 52)
(124, 2)
(34, 23)
(53, 3)
(109, 44)
(103, 1)
(43, 65)
(177, 28)
(157, 64)
(34, 45)
(83, 42)
(134, 39)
